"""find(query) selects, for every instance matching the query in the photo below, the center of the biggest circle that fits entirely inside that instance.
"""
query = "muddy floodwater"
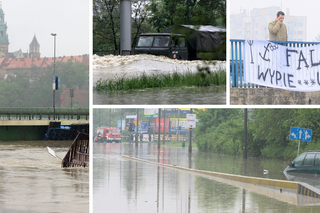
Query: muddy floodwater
(123, 185)
(31, 180)
(179, 95)
(115, 67)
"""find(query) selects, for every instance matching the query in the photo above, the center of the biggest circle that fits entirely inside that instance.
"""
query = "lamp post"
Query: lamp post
(54, 77)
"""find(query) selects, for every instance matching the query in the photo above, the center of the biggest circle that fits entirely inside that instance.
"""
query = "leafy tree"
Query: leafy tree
(106, 24)
(167, 13)
(210, 119)
(140, 11)
(34, 88)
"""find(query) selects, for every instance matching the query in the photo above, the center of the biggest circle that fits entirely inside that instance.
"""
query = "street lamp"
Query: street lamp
(54, 77)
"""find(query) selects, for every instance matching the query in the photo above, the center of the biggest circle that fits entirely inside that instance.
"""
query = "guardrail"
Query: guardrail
(43, 114)
(236, 61)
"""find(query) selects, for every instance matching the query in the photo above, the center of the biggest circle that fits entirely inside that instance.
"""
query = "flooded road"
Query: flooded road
(180, 95)
(31, 180)
(133, 186)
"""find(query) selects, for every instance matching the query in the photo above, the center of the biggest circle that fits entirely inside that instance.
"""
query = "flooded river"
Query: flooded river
(132, 186)
(180, 95)
(31, 180)
(115, 67)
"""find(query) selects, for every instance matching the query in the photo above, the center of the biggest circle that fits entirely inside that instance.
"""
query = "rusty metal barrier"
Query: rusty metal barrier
(78, 154)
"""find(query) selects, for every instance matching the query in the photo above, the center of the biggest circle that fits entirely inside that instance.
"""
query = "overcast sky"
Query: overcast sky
(308, 8)
(69, 19)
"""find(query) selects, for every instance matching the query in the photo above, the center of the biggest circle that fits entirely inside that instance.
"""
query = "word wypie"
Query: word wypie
(275, 76)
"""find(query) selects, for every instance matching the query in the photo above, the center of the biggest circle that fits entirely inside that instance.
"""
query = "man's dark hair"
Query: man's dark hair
(280, 13)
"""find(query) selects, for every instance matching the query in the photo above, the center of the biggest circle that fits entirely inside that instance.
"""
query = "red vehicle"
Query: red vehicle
(108, 134)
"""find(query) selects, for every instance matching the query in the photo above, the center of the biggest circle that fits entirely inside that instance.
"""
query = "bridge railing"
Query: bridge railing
(78, 154)
(43, 114)
(236, 61)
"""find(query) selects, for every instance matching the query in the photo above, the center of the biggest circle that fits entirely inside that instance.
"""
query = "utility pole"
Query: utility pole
(164, 126)
(121, 121)
(159, 113)
(99, 118)
(245, 134)
(137, 128)
(110, 117)
(178, 128)
(190, 138)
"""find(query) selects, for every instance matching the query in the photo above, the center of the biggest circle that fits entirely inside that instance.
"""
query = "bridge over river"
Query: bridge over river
(32, 123)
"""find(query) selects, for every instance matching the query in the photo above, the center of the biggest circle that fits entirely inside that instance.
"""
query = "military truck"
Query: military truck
(173, 42)
(163, 44)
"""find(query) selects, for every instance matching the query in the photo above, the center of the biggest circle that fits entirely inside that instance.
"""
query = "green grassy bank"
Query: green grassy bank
(162, 80)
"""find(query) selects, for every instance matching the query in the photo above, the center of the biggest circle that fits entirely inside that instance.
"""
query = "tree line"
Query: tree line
(34, 88)
(150, 16)
(222, 131)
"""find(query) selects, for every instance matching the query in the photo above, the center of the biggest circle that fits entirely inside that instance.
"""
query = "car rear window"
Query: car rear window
(308, 161)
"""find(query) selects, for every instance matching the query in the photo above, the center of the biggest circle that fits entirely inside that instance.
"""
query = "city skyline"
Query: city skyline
(295, 9)
(68, 19)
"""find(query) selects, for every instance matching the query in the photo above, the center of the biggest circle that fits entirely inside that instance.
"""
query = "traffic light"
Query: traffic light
(130, 126)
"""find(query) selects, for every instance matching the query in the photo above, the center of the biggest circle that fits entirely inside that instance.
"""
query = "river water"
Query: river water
(115, 67)
(122, 185)
(31, 180)
(180, 95)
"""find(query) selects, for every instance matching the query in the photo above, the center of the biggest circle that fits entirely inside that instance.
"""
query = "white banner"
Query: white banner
(151, 112)
(274, 65)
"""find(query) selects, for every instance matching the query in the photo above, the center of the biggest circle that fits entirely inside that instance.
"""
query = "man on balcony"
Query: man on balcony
(277, 29)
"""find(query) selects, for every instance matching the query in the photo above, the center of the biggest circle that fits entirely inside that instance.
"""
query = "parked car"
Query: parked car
(308, 162)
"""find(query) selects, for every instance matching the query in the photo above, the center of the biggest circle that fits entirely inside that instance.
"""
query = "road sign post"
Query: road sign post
(300, 134)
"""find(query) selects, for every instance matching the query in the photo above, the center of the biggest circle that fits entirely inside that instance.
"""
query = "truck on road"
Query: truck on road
(108, 134)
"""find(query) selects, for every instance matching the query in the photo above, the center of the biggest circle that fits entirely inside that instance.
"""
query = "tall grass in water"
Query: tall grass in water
(162, 80)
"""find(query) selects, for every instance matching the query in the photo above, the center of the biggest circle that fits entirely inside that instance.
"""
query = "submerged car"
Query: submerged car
(308, 162)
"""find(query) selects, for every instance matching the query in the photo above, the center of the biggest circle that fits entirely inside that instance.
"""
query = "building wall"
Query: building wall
(272, 96)
(253, 25)
(80, 96)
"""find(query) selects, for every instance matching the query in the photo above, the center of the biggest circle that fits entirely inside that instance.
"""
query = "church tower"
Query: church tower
(4, 41)
(34, 48)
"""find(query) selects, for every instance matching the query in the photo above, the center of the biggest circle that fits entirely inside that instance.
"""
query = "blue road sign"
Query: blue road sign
(300, 134)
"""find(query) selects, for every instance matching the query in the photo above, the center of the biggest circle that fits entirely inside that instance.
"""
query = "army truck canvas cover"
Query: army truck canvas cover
(185, 42)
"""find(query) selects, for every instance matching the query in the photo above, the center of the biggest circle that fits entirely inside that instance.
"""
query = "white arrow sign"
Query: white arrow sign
(300, 132)
(294, 135)
(306, 135)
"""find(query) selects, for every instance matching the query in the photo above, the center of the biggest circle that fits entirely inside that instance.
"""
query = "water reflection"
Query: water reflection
(311, 179)
(133, 186)
(184, 95)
